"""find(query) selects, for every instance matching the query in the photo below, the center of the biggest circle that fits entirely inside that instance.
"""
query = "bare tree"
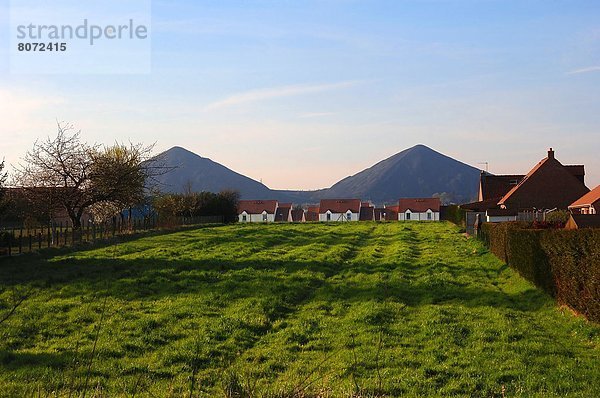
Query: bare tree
(60, 168)
(77, 176)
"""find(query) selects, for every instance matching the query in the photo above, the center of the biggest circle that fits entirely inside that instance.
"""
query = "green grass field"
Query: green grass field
(346, 310)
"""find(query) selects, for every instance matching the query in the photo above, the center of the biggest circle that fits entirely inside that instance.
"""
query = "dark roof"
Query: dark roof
(257, 206)
(391, 213)
(588, 199)
(298, 215)
(367, 213)
(501, 212)
(548, 185)
(312, 213)
(339, 205)
(283, 212)
(583, 221)
(418, 205)
(482, 205)
(496, 186)
(578, 170)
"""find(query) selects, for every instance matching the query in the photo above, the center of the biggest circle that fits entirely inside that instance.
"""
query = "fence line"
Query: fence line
(19, 240)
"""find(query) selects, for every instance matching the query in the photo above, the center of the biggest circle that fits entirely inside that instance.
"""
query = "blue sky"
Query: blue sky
(300, 94)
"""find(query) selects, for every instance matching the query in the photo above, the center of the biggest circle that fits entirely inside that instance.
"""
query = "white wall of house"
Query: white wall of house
(500, 218)
(264, 217)
(338, 216)
(429, 215)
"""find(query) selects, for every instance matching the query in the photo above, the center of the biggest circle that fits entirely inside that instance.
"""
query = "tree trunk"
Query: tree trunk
(75, 218)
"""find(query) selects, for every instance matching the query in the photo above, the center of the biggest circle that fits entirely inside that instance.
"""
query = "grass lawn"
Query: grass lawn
(361, 309)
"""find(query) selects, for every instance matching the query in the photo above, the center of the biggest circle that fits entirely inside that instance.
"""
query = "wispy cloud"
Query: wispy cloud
(584, 70)
(277, 92)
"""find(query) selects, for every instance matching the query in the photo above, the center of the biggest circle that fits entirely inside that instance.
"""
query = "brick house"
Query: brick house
(549, 185)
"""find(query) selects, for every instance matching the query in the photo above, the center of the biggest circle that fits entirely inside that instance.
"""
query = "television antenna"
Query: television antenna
(487, 165)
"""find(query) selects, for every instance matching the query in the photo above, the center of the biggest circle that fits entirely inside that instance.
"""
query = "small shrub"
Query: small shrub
(558, 217)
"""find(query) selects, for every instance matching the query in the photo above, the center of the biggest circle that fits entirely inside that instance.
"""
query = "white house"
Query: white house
(257, 210)
(419, 209)
(339, 210)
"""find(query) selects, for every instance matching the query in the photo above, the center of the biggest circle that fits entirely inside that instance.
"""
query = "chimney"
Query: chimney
(550, 153)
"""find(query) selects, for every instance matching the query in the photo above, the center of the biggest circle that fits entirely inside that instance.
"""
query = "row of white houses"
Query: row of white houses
(339, 210)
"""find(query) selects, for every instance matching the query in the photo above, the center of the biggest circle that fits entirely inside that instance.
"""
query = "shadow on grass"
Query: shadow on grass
(152, 279)
(17, 360)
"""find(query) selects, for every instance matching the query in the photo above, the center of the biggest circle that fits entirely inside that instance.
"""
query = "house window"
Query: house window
(407, 216)
(429, 215)
(244, 218)
(348, 216)
(328, 216)
(264, 216)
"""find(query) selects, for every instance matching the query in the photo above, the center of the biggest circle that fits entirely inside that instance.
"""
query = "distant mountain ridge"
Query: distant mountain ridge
(204, 175)
(415, 172)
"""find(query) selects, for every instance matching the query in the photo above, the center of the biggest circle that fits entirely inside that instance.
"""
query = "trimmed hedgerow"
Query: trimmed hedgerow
(575, 259)
(565, 264)
(495, 235)
(454, 214)
(526, 255)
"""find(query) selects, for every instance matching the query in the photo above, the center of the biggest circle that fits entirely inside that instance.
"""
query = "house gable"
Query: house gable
(548, 185)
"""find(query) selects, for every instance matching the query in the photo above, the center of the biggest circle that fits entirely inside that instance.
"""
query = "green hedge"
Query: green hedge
(528, 257)
(495, 236)
(454, 214)
(565, 264)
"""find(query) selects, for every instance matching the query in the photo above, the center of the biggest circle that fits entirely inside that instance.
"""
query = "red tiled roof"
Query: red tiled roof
(418, 205)
(548, 185)
(588, 199)
(339, 205)
(257, 206)
(527, 176)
